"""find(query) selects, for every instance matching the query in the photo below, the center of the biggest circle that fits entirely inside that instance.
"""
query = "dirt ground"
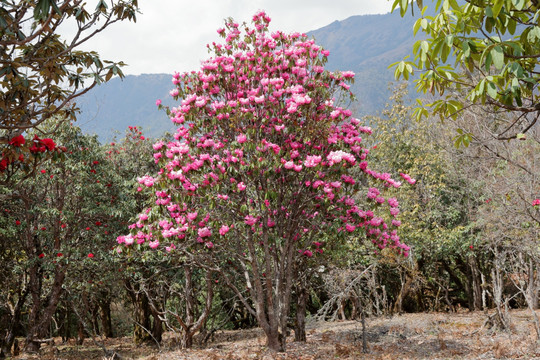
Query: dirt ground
(460, 335)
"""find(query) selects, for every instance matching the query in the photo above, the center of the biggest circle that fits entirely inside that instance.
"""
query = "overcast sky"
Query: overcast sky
(171, 35)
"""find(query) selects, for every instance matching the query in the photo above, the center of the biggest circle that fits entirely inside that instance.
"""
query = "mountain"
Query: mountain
(365, 44)
(108, 109)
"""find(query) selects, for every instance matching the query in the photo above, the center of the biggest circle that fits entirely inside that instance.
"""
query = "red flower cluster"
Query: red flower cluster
(17, 141)
(42, 145)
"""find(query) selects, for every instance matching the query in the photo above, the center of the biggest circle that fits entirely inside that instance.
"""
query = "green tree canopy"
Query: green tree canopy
(488, 49)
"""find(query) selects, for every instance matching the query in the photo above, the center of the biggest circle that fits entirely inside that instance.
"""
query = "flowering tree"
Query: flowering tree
(265, 162)
(54, 228)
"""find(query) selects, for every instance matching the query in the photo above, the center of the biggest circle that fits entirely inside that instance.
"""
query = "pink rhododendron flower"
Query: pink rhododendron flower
(393, 202)
(536, 202)
(241, 138)
(128, 240)
(312, 161)
(335, 157)
(204, 232)
(250, 220)
(373, 193)
(241, 186)
(153, 244)
(223, 230)
(146, 181)
(408, 178)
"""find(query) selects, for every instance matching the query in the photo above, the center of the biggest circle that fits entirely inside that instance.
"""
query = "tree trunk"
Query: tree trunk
(300, 326)
(40, 318)
(404, 291)
(105, 314)
(157, 327)
(475, 284)
(502, 317)
(9, 339)
(190, 326)
(81, 334)
(142, 320)
(141, 314)
(275, 341)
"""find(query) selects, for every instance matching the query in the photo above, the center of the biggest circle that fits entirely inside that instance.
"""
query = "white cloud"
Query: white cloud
(171, 35)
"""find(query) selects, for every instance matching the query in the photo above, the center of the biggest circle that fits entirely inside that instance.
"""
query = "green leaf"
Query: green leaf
(497, 7)
(403, 7)
(492, 90)
(497, 54)
(519, 4)
(425, 46)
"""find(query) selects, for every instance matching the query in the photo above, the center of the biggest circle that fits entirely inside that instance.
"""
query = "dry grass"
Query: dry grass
(409, 336)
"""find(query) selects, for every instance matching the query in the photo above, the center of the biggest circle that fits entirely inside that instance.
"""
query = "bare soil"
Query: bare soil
(462, 335)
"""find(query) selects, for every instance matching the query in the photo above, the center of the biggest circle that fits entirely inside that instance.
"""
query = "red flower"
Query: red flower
(17, 141)
(87, 228)
(41, 256)
(17, 222)
(49, 143)
(63, 226)
(3, 164)
(59, 254)
(90, 255)
(98, 223)
(43, 171)
(95, 162)
(43, 228)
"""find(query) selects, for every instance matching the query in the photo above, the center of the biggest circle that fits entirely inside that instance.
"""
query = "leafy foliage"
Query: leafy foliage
(41, 72)
(485, 48)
